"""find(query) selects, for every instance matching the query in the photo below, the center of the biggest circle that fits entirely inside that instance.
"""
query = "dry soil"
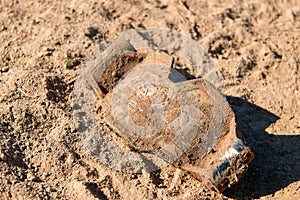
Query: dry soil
(255, 44)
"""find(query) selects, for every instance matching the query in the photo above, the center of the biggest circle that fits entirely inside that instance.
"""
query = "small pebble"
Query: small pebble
(4, 69)
(3, 157)
(32, 177)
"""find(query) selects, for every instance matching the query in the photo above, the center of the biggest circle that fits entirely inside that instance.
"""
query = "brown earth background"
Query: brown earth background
(255, 44)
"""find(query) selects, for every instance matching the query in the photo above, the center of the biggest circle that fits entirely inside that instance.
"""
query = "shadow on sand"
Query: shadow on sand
(277, 157)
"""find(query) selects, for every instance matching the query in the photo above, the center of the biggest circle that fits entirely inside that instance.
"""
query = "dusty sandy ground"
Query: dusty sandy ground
(255, 44)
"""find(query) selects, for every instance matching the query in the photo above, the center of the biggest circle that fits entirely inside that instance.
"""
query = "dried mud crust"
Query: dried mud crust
(117, 69)
(140, 104)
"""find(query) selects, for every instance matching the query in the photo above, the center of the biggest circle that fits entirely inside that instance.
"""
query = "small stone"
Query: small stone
(2, 156)
(133, 176)
(70, 159)
(45, 175)
(3, 28)
(36, 21)
(32, 177)
(4, 69)
(87, 45)
(50, 189)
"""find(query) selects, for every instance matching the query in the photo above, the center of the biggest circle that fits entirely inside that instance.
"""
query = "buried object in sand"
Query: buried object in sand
(152, 98)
